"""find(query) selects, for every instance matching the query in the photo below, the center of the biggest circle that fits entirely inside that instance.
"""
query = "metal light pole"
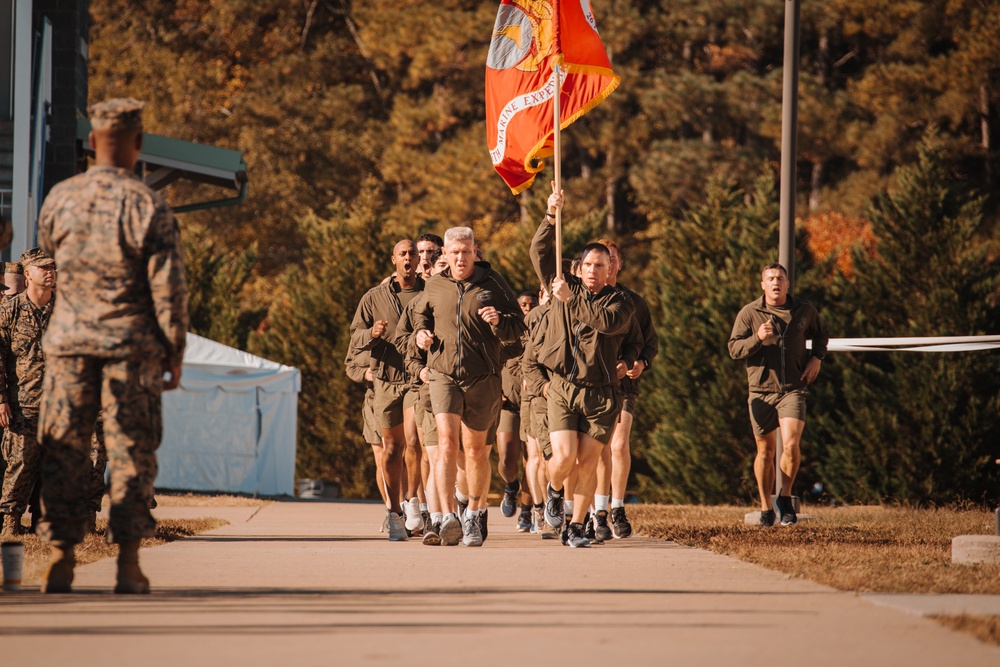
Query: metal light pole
(789, 131)
(789, 154)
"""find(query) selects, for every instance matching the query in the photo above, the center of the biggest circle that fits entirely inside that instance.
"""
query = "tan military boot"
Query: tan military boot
(59, 577)
(11, 525)
(131, 580)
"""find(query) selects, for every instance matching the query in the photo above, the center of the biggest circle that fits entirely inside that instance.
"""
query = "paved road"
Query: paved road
(303, 584)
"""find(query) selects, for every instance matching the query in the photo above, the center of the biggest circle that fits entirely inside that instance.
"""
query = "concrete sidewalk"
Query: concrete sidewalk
(301, 584)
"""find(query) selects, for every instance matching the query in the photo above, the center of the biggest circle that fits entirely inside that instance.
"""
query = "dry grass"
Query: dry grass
(863, 549)
(983, 628)
(94, 546)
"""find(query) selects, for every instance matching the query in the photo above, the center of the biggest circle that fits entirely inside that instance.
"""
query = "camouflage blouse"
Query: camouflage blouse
(22, 324)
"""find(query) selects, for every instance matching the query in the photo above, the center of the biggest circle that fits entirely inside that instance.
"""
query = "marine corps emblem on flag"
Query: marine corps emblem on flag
(531, 37)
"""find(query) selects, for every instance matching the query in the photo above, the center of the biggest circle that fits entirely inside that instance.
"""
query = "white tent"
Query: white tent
(231, 426)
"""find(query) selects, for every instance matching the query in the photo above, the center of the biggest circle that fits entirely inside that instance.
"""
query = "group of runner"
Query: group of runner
(454, 362)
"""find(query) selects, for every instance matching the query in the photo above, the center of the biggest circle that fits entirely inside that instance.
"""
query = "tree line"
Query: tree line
(362, 123)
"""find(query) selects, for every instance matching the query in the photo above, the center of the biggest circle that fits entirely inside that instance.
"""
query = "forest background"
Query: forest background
(362, 122)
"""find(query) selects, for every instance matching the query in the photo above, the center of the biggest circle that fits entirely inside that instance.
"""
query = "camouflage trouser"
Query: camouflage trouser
(3, 459)
(74, 389)
(20, 450)
(99, 461)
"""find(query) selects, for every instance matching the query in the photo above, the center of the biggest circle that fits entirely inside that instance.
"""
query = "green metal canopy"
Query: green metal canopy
(164, 161)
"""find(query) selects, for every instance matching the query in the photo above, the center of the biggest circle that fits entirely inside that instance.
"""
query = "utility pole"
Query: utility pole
(789, 132)
(789, 155)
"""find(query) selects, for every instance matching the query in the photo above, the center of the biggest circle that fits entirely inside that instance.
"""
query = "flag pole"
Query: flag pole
(557, 157)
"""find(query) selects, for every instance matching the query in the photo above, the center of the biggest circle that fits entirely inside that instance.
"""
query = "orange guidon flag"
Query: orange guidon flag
(529, 38)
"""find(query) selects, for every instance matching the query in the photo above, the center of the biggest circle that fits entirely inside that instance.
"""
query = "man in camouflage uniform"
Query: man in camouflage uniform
(13, 279)
(7, 293)
(6, 236)
(119, 325)
(23, 320)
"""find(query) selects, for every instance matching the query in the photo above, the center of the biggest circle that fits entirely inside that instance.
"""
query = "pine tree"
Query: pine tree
(918, 427)
(216, 280)
(699, 445)
(310, 328)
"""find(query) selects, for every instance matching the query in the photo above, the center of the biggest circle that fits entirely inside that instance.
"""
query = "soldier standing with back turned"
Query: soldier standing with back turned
(119, 324)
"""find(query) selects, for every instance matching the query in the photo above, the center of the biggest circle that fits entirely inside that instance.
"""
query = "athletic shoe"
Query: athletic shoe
(414, 522)
(620, 527)
(524, 520)
(484, 518)
(432, 536)
(766, 518)
(575, 536)
(509, 503)
(461, 510)
(397, 530)
(602, 531)
(426, 516)
(451, 530)
(554, 509)
(564, 533)
(786, 511)
(588, 527)
(472, 537)
(542, 527)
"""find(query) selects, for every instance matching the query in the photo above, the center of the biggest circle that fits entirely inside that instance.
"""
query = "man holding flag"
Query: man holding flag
(585, 328)
(546, 67)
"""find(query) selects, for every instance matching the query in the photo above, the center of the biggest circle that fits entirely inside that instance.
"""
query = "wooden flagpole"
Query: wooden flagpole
(557, 157)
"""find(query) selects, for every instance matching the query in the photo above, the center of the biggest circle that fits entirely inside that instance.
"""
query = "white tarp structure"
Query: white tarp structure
(231, 426)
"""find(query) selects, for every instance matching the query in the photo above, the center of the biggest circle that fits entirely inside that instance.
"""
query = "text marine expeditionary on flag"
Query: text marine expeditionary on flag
(530, 38)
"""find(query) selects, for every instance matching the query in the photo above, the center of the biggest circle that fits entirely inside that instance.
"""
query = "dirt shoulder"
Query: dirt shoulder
(862, 549)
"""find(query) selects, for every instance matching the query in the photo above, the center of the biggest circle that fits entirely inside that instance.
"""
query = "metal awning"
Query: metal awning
(164, 161)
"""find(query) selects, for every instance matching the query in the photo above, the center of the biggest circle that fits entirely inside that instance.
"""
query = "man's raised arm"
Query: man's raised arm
(543, 244)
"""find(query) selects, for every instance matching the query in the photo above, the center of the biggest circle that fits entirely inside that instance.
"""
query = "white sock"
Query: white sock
(568, 507)
(472, 514)
(436, 517)
(423, 507)
(461, 497)
(617, 502)
(601, 503)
